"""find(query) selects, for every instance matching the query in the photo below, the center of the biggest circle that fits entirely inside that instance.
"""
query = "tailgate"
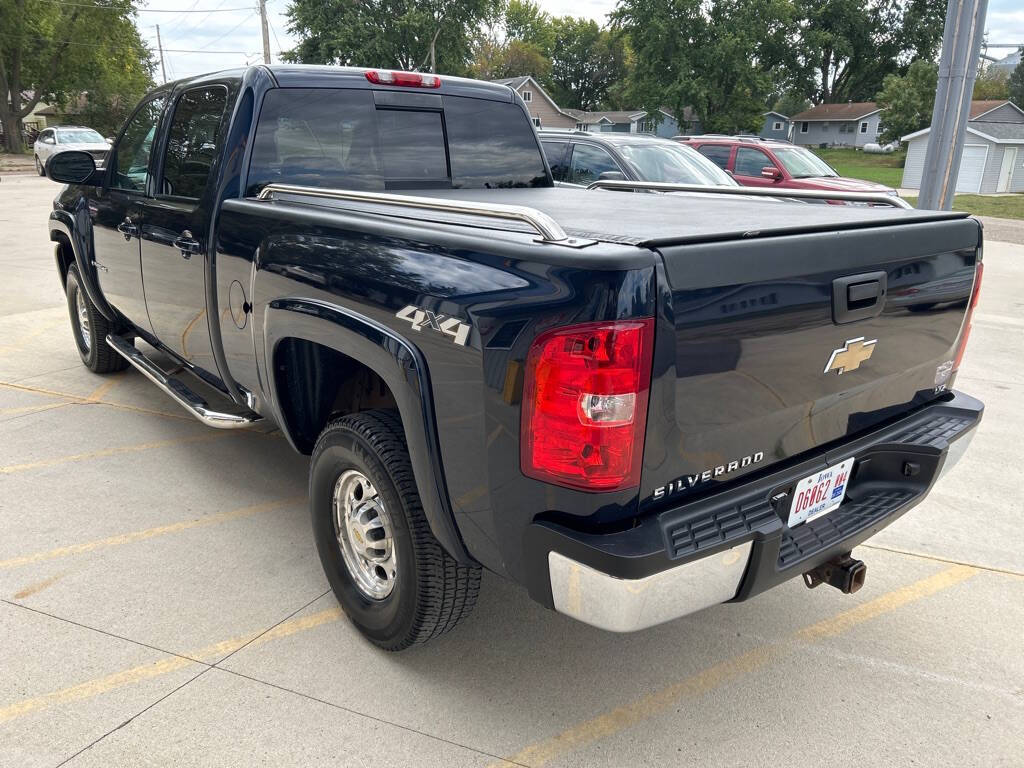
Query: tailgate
(750, 327)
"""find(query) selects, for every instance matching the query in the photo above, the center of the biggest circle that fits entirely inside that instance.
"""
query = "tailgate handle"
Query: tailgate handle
(858, 297)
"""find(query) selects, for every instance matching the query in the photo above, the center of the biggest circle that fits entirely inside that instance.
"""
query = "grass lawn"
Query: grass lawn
(884, 169)
(1003, 206)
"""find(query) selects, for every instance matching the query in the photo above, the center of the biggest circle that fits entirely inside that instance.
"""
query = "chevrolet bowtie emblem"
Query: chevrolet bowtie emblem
(849, 356)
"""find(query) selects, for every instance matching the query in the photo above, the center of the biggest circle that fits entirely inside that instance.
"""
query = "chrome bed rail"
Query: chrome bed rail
(546, 227)
(811, 194)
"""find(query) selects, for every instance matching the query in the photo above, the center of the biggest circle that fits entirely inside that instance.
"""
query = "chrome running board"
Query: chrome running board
(177, 389)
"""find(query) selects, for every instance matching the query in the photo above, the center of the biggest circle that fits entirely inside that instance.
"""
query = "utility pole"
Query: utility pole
(160, 47)
(266, 32)
(961, 46)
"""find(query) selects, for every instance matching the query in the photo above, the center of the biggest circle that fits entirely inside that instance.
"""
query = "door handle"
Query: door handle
(186, 244)
(127, 228)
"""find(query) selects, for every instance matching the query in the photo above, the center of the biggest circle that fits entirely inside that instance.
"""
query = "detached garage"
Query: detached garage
(993, 156)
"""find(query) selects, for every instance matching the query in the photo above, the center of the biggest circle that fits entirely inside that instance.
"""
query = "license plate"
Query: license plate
(820, 493)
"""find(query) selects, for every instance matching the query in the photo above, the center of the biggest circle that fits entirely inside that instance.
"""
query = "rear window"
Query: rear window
(340, 138)
(716, 153)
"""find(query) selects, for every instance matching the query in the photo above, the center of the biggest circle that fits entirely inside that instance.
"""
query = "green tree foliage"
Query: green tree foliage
(908, 100)
(54, 53)
(493, 60)
(992, 84)
(585, 63)
(525, 21)
(846, 48)
(791, 103)
(721, 59)
(1016, 83)
(400, 34)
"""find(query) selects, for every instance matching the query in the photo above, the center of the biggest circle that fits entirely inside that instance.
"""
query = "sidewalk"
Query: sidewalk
(10, 164)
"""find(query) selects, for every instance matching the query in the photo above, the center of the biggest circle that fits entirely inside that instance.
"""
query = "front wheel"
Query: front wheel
(89, 329)
(394, 580)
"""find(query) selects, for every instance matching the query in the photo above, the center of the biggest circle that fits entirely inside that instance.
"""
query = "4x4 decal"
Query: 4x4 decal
(449, 326)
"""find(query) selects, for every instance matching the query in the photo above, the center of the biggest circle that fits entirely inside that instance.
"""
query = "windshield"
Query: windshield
(802, 164)
(80, 136)
(674, 163)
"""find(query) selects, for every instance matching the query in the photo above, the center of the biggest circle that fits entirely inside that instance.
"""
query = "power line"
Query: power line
(104, 45)
(143, 10)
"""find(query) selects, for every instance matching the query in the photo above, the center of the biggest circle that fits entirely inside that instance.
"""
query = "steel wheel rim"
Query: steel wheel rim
(83, 320)
(365, 535)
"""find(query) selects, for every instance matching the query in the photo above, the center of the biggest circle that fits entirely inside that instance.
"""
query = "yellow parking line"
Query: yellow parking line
(80, 399)
(116, 451)
(101, 391)
(148, 533)
(30, 408)
(710, 678)
(91, 688)
(38, 586)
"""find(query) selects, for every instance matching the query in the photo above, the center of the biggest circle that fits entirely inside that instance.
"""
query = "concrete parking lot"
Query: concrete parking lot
(161, 601)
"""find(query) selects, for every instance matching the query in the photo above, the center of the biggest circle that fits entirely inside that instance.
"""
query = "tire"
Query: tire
(90, 329)
(39, 167)
(429, 593)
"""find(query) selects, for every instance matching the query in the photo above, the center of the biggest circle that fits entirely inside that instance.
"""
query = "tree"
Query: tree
(54, 53)
(524, 20)
(403, 34)
(908, 100)
(1015, 84)
(585, 63)
(992, 84)
(847, 47)
(722, 59)
(493, 60)
(791, 103)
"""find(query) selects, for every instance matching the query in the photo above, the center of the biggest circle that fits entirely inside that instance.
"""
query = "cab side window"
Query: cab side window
(588, 163)
(131, 155)
(555, 153)
(749, 162)
(717, 154)
(193, 141)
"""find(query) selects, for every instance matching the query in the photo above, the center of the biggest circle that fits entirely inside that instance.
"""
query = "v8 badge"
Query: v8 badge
(424, 318)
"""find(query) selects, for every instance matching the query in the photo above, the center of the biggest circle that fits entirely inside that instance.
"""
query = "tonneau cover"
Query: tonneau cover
(655, 220)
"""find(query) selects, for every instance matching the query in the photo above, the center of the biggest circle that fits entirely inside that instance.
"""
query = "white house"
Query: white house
(993, 155)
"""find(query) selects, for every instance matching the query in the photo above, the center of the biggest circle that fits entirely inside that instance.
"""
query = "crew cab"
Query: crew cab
(635, 404)
(757, 162)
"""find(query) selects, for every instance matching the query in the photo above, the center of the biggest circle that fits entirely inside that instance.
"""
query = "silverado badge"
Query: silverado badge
(849, 356)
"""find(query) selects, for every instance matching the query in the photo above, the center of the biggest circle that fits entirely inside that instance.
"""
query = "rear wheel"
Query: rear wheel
(90, 329)
(39, 167)
(392, 577)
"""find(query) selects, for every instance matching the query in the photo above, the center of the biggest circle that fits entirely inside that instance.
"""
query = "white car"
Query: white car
(62, 138)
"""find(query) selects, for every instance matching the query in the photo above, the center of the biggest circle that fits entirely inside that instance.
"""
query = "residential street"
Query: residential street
(157, 609)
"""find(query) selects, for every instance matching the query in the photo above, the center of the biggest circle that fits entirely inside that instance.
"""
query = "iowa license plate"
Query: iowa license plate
(820, 493)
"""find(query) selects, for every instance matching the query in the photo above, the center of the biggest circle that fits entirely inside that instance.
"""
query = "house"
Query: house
(993, 155)
(628, 121)
(852, 124)
(775, 126)
(542, 108)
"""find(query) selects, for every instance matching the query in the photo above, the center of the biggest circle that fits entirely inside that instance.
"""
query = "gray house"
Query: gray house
(775, 126)
(853, 124)
(993, 156)
(630, 121)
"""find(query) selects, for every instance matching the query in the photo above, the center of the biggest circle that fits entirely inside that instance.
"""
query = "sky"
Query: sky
(206, 35)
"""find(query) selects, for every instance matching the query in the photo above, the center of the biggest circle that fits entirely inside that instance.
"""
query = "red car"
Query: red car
(756, 162)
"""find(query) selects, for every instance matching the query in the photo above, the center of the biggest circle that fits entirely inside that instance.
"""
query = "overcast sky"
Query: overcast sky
(226, 33)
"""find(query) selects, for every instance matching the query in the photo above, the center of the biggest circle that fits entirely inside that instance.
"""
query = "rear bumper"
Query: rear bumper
(735, 543)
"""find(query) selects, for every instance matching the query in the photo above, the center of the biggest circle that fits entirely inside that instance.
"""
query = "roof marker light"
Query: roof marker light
(404, 79)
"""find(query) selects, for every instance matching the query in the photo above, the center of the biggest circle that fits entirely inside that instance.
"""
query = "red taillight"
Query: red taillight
(405, 79)
(966, 332)
(585, 404)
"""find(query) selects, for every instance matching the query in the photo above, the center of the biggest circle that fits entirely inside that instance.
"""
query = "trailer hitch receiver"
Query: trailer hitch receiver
(844, 573)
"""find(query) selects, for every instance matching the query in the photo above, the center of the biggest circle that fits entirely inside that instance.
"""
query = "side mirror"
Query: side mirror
(612, 176)
(71, 167)
(771, 172)
(109, 140)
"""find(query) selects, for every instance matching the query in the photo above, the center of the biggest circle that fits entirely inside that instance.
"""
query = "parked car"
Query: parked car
(579, 158)
(756, 162)
(50, 141)
(635, 405)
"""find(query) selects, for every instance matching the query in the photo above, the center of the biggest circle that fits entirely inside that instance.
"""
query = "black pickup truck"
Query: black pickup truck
(635, 404)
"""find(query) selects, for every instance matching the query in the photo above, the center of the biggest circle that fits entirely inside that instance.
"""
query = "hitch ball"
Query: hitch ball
(844, 573)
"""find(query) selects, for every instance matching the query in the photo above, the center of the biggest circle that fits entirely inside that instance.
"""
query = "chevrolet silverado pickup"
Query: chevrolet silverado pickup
(634, 404)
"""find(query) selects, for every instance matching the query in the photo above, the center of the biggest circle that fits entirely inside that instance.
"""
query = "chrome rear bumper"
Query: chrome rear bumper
(627, 605)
